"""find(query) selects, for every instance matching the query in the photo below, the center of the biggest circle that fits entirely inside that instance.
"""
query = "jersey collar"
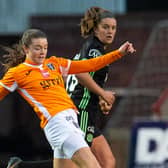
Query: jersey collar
(30, 63)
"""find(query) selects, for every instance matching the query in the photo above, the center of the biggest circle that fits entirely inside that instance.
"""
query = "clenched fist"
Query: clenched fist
(104, 106)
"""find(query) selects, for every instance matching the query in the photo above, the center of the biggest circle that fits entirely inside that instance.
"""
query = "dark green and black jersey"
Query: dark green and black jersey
(86, 101)
(82, 97)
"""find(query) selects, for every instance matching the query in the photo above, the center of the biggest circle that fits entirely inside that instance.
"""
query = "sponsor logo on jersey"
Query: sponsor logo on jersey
(91, 129)
(46, 84)
(94, 53)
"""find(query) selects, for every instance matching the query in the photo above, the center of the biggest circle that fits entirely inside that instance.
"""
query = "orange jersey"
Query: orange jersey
(43, 86)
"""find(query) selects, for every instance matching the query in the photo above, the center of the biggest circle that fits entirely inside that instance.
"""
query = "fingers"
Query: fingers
(108, 97)
(126, 48)
(105, 112)
(101, 102)
(106, 101)
(131, 48)
(105, 107)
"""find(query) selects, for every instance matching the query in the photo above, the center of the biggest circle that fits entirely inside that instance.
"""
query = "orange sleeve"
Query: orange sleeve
(94, 64)
(3, 92)
(7, 84)
(63, 63)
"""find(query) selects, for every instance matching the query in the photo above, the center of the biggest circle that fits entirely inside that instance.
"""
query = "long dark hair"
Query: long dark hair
(92, 18)
(15, 54)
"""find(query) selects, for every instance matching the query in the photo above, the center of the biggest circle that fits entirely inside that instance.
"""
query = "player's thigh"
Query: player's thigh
(101, 149)
(64, 163)
(84, 158)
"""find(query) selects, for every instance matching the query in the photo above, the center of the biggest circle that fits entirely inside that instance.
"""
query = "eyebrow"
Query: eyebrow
(37, 45)
(106, 24)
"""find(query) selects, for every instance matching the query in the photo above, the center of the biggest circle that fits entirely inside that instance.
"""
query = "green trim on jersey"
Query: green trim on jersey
(84, 121)
(83, 104)
(86, 96)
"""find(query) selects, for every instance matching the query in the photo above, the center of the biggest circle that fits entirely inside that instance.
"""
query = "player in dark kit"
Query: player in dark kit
(86, 101)
(98, 26)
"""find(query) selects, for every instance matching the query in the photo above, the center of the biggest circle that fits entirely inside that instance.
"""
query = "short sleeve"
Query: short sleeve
(8, 81)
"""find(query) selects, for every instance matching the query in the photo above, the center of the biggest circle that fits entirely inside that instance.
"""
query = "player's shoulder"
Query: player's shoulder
(53, 58)
(56, 61)
(16, 68)
(92, 48)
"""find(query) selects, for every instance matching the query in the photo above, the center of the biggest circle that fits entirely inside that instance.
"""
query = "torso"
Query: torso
(82, 97)
(42, 86)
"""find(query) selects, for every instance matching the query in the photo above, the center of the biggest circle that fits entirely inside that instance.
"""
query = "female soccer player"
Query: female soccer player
(98, 26)
(39, 81)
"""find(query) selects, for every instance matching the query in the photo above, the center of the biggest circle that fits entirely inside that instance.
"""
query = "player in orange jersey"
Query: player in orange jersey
(39, 81)
(98, 27)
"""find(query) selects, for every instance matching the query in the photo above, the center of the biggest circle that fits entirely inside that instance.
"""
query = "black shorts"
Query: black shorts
(88, 125)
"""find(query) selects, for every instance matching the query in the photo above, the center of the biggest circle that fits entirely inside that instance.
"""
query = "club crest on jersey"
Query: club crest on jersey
(51, 66)
(94, 53)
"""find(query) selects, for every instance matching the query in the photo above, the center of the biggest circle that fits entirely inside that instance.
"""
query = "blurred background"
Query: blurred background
(137, 80)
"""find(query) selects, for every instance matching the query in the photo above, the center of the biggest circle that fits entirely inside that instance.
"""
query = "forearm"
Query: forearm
(86, 80)
(94, 64)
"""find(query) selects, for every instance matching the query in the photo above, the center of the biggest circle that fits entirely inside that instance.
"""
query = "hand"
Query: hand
(108, 96)
(127, 48)
(104, 106)
(106, 101)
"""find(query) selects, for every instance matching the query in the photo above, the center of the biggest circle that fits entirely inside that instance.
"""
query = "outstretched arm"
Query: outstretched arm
(97, 63)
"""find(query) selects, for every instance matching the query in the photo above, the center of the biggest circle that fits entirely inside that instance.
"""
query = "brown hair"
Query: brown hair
(92, 18)
(15, 55)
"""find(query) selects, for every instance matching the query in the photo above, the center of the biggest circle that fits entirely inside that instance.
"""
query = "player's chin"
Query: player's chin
(106, 112)
(109, 41)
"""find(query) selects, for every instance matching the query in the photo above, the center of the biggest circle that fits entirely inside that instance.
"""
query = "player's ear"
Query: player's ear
(95, 30)
(25, 49)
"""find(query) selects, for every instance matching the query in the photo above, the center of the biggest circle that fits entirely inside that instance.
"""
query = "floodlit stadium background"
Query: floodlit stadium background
(137, 80)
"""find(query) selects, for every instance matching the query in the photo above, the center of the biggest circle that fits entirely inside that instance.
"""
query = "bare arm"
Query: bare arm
(87, 81)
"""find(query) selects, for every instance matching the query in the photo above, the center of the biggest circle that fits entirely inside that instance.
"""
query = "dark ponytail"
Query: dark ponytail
(92, 18)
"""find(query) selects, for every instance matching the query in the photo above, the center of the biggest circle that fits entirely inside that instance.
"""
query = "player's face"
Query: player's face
(106, 30)
(37, 50)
